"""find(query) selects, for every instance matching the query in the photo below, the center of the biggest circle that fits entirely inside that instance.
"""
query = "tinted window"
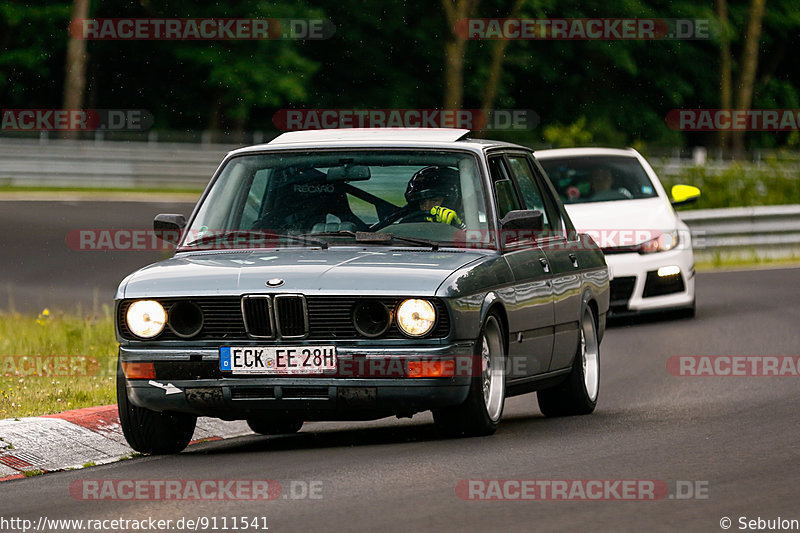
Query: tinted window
(531, 194)
(598, 178)
(504, 190)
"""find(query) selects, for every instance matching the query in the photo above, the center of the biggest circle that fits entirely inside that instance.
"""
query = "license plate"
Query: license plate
(277, 359)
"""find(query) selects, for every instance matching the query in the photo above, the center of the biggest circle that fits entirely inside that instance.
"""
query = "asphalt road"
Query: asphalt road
(39, 268)
(735, 437)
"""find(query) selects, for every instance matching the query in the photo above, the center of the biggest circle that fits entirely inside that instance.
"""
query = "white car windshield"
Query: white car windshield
(598, 178)
(332, 196)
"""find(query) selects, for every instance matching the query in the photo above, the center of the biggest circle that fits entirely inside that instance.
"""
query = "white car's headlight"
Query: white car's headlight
(664, 242)
(146, 318)
(416, 317)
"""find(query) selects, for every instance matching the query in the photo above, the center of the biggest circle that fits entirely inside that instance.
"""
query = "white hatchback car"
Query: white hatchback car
(616, 196)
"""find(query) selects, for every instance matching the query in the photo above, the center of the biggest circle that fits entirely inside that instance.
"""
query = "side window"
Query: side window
(504, 190)
(531, 194)
(534, 196)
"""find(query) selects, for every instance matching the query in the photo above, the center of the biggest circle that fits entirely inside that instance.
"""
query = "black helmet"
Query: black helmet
(433, 182)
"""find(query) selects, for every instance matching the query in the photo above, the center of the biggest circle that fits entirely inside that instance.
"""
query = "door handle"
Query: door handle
(574, 260)
(544, 264)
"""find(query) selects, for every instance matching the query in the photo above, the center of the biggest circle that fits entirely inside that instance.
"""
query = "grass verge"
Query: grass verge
(744, 260)
(55, 361)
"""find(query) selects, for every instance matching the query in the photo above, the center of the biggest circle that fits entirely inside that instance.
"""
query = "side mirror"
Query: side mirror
(169, 227)
(521, 225)
(525, 219)
(684, 194)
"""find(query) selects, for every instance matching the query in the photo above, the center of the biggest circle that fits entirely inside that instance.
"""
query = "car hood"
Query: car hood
(332, 271)
(623, 222)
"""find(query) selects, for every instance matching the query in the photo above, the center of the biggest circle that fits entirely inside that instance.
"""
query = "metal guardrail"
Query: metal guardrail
(745, 232)
(770, 231)
(64, 163)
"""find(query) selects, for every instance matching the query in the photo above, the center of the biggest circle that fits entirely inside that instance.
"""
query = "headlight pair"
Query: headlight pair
(414, 317)
(147, 318)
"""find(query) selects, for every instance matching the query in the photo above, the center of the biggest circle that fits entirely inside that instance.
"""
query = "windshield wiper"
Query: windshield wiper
(249, 234)
(374, 237)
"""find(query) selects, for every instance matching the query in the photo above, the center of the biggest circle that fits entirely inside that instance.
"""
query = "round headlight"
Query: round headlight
(185, 319)
(371, 318)
(416, 317)
(146, 318)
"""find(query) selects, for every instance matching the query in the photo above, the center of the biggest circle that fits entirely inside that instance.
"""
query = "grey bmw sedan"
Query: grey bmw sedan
(358, 274)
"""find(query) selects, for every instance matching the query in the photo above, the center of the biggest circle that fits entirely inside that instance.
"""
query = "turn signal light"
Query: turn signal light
(139, 370)
(432, 369)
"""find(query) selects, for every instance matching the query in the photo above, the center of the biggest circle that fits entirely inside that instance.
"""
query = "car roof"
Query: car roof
(583, 152)
(377, 138)
(368, 134)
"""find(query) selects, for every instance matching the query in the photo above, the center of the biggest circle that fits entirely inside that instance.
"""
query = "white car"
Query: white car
(617, 198)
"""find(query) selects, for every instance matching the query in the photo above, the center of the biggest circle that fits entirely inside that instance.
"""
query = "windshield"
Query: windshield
(598, 178)
(339, 197)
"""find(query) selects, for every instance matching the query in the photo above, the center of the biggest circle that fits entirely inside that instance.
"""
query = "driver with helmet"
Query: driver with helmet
(430, 189)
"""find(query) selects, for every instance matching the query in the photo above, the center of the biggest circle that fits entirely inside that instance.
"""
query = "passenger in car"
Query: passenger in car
(602, 181)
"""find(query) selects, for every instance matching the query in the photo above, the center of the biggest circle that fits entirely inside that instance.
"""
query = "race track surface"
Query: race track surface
(734, 438)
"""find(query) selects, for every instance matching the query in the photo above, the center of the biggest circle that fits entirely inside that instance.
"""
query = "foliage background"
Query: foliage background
(392, 55)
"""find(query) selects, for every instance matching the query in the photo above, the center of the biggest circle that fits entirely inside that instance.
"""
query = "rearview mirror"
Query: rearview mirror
(684, 194)
(169, 227)
(348, 173)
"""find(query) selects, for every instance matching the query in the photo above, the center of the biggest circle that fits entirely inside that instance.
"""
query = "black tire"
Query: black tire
(480, 415)
(573, 396)
(156, 433)
(275, 425)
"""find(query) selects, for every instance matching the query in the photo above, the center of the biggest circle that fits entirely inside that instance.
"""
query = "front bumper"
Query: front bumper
(189, 381)
(630, 290)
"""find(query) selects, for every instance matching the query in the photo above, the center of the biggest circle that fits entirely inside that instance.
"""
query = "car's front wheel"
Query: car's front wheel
(149, 431)
(577, 395)
(481, 411)
(275, 425)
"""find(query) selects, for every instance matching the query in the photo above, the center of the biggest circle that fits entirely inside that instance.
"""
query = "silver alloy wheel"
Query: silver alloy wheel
(589, 355)
(493, 369)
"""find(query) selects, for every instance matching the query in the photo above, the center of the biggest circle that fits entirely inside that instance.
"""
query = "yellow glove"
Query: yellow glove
(445, 216)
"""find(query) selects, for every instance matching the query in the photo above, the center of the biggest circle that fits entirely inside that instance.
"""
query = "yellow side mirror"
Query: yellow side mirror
(684, 194)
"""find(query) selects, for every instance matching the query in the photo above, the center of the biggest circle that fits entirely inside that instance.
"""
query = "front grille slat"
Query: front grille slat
(290, 311)
(258, 316)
